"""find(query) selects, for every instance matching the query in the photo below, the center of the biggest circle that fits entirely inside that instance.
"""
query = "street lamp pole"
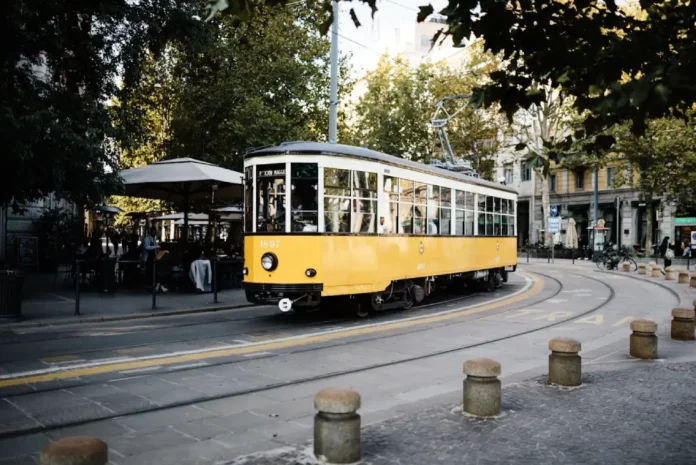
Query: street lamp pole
(333, 103)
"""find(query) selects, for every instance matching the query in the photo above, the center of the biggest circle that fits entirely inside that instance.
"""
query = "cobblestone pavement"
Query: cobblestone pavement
(642, 413)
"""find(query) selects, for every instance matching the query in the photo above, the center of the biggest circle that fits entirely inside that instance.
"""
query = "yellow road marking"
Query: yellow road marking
(269, 346)
(522, 313)
(597, 319)
(134, 350)
(623, 321)
(554, 316)
(59, 358)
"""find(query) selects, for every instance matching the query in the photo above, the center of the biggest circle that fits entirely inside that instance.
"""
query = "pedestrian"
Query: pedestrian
(666, 252)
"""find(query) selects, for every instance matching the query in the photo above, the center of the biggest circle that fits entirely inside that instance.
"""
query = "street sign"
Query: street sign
(693, 238)
(554, 210)
(553, 225)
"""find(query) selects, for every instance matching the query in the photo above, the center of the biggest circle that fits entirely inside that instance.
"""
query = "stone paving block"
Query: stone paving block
(201, 453)
(152, 420)
(240, 422)
(236, 404)
(287, 410)
(284, 431)
(59, 414)
(124, 402)
(140, 442)
(24, 445)
(103, 430)
(12, 419)
(23, 460)
(200, 429)
(246, 443)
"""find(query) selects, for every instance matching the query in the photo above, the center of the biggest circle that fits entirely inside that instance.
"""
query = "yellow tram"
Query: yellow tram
(329, 220)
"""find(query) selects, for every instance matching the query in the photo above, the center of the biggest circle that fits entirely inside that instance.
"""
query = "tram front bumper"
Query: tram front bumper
(259, 293)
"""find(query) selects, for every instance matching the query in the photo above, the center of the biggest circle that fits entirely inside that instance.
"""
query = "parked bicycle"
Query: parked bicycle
(612, 258)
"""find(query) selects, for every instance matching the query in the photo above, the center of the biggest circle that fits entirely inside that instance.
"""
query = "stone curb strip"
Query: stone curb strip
(79, 450)
(131, 316)
(482, 388)
(565, 365)
(682, 328)
(643, 342)
(337, 426)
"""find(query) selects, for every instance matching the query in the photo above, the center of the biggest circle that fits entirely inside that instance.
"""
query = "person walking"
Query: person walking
(666, 252)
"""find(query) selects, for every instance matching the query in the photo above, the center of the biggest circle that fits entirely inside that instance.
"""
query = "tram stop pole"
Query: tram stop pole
(77, 287)
(215, 280)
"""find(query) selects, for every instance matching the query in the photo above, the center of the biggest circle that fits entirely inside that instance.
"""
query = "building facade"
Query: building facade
(572, 192)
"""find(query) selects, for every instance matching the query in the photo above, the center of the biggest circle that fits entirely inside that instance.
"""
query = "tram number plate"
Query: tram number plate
(270, 244)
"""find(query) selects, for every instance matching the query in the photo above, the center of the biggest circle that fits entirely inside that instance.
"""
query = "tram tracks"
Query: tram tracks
(327, 375)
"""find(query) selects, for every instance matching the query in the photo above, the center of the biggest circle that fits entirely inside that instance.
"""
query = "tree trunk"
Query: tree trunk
(649, 226)
(545, 207)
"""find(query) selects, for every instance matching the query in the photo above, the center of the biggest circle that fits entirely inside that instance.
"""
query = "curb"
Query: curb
(132, 316)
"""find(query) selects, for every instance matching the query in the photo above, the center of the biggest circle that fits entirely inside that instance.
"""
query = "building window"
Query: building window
(611, 176)
(552, 183)
(509, 175)
(526, 174)
(580, 179)
(426, 41)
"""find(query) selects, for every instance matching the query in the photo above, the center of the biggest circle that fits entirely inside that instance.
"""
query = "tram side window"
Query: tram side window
(406, 204)
(249, 199)
(390, 197)
(304, 196)
(364, 212)
(481, 215)
(270, 188)
(419, 212)
(433, 219)
(337, 203)
(445, 211)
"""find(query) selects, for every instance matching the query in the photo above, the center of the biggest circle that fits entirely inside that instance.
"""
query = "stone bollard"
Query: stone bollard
(692, 282)
(655, 271)
(626, 266)
(683, 277)
(683, 324)
(337, 426)
(482, 392)
(670, 274)
(75, 451)
(564, 362)
(641, 268)
(643, 339)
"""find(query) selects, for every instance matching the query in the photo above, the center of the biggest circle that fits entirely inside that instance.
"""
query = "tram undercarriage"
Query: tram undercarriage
(402, 294)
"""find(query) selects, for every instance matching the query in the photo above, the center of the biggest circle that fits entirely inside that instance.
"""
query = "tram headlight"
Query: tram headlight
(311, 272)
(269, 261)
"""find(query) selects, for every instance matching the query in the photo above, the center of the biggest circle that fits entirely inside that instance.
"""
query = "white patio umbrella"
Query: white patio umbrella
(572, 235)
(182, 180)
(180, 217)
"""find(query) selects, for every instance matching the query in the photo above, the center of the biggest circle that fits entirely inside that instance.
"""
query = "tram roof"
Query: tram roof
(340, 150)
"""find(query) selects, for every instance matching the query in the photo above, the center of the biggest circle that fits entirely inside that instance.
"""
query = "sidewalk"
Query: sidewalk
(48, 304)
(627, 411)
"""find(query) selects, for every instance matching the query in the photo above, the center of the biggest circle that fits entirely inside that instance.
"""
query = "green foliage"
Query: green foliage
(59, 64)
(620, 66)
(253, 84)
(58, 231)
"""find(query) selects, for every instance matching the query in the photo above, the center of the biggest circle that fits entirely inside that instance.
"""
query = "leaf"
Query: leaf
(605, 142)
(354, 17)
(424, 12)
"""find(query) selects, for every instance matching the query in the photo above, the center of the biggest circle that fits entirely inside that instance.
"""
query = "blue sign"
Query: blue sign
(553, 225)
(554, 210)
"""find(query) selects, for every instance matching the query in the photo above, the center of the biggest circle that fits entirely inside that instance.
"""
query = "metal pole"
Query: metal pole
(333, 104)
(596, 196)
(618, 217)
(154, 283)
(215, 279)
(77, 287)
(572, 254)
(527, 254)
(553, 253)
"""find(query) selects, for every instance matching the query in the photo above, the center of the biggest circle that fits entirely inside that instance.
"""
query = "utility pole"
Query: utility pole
(333, 103)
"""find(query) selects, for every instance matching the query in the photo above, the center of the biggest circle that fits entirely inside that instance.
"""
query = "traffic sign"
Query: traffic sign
(553, 225)
(554, 210)
(693, 238)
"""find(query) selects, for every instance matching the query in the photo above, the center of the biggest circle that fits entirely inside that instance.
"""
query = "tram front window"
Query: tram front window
(270, 188)
(303, 197)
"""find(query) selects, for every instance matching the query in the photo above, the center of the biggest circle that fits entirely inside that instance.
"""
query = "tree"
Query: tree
(539, 130)
(256, 83)
(57, 71)
(621, 66)
(393, 116)
(665, 159)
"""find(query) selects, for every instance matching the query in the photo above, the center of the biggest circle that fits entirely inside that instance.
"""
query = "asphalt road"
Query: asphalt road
(213, 387)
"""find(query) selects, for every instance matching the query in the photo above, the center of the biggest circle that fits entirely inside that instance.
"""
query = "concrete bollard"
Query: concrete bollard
(643, 339)
(670, 274)
(626, 266)
(682, 324)
(692, 282)
(683, 277)
(564, 362)
(75, 451)
(655, 271)
(337, 426)
(642, 268)
(482, 389)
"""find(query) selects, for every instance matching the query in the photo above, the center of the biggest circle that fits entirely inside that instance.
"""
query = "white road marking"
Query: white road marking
(557, 301)
(525, 288)
(256, 354)
(189, 365)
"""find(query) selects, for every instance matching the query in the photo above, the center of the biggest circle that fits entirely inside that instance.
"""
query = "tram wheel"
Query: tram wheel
(362, 310)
